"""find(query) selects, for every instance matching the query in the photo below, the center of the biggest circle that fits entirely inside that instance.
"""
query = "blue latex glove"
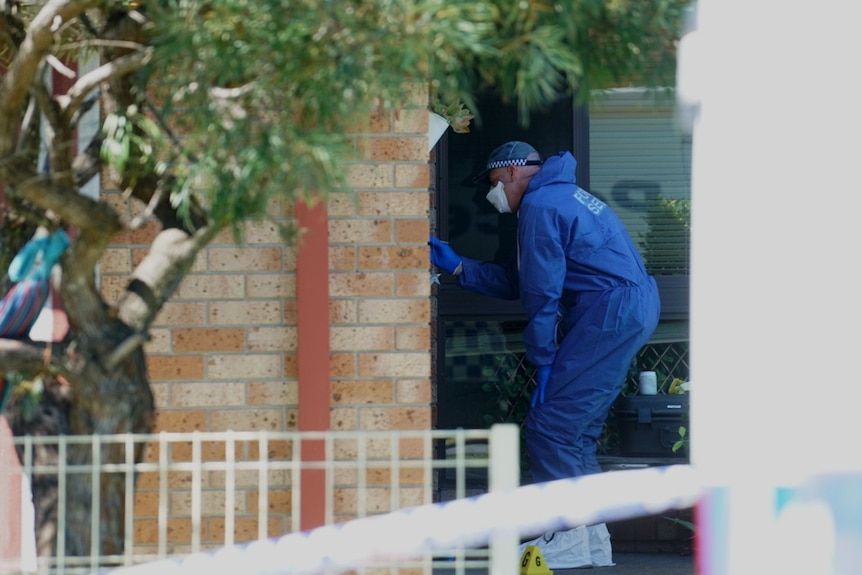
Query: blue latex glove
(443, 256)
(543, 374)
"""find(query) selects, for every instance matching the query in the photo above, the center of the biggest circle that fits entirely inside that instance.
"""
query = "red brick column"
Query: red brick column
(312, 295)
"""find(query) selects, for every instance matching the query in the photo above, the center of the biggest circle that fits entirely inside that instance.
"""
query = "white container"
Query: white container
(647, 383)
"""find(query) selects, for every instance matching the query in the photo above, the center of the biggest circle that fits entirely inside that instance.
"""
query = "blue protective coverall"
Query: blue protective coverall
(578, 274)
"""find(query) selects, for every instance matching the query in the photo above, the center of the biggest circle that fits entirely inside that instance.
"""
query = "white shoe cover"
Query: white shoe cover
(564, 549)
(600, 545)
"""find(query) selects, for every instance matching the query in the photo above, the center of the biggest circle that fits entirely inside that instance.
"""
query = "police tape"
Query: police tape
(441, 527)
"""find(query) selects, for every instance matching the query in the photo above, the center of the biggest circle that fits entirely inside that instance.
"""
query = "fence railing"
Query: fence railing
(406, 502)
(194, 492)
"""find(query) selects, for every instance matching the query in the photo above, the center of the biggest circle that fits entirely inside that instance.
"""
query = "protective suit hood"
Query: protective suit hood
(558, 169)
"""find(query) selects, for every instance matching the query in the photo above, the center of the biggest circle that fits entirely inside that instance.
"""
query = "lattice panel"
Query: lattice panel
(493, 355)
(511, 377)
(668, 360)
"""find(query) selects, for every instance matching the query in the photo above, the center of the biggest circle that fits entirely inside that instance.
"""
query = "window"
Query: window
(640, 164)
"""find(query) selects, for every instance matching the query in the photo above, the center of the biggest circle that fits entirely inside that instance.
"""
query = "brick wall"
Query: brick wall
(223, 353)
(223, 350)
(379, 282)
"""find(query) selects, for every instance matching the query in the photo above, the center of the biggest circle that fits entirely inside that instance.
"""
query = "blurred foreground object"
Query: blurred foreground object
(764, 88)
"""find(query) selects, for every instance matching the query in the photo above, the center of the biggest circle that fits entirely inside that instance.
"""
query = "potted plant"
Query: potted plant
(456, 115)
(445, 115)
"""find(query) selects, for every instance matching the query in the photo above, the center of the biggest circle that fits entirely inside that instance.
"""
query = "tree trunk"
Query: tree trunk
(47, 418)
(106, 405)
(96, 404)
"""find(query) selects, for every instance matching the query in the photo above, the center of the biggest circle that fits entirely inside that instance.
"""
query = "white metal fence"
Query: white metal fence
(199, 491)
(411, 502)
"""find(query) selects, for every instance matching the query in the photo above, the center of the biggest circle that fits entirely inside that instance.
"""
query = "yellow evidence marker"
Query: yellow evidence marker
(533, 562)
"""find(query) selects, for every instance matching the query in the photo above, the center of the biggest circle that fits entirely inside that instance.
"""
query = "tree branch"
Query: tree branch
(23, 70)
(159, 274)
(90, 81)
(11, 31)
(30, 357)
(123, 350)
(51, 112)
(30, 138)
(88, 163)
(49, 192)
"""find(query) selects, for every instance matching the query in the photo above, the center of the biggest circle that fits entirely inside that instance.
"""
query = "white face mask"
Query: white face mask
(497, 197)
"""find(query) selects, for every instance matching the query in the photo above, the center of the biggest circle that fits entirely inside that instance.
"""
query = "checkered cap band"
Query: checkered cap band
(504, 163)
(513, 153)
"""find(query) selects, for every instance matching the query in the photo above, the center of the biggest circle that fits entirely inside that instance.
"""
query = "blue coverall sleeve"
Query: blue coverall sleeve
(542, 276)
(488, 278)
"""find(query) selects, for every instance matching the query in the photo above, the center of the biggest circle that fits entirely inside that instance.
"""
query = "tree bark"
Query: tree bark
(105, 405)
(97, 404)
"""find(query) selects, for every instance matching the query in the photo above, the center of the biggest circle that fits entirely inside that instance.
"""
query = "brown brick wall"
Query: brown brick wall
(223, 351)
(379, 281)
(227, 339)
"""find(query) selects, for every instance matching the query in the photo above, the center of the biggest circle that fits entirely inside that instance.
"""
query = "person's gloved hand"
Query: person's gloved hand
(543, 374)
(443, 256)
